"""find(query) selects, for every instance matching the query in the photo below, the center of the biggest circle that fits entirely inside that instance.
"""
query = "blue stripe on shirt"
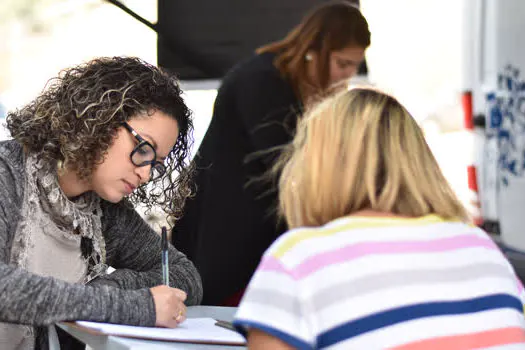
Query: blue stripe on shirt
(241, 326)
(407, 313)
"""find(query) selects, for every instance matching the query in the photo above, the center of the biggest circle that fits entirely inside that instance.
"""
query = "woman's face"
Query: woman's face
(117, 176)
(344, 63)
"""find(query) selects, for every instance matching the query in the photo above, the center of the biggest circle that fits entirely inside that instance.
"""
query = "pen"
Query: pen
(225, 324)
(164, 246)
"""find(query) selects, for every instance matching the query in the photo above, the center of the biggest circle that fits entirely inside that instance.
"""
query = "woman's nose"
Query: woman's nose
(350, 72)
(144, 173)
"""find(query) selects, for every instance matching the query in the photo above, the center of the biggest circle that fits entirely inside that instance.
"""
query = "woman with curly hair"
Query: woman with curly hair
(104, 136)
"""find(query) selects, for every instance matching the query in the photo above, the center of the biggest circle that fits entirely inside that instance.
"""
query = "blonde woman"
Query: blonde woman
(380, 253)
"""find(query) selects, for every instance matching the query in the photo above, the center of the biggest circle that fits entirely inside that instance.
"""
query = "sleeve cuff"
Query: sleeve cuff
(242, 326)
(137, 306)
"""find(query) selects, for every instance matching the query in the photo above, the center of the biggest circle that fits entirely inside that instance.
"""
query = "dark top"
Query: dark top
(229, 224)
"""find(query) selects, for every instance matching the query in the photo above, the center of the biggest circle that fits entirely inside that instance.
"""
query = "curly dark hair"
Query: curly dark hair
(75, 119)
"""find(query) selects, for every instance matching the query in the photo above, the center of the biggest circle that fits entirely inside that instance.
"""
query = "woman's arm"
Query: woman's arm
(271, 314)
(31, 299)
(134, 250)
(35, 300)
(258, 339)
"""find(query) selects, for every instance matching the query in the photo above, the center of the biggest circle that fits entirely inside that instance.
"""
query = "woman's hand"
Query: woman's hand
(169, 306)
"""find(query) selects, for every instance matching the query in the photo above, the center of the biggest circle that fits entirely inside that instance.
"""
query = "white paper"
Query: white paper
(192, 330)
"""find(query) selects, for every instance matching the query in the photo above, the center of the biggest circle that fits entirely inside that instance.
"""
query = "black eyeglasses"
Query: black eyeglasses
(144, 154)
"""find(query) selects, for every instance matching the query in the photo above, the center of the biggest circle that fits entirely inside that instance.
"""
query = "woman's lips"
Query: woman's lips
(129, 187)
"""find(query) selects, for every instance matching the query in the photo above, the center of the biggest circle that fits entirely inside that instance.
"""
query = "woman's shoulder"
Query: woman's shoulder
(121, 211)
(122, 217)
(11, 160)
(294, 242)
(255, 76)
(354, 232)
(11, 152)
(259, 62)
(11, 175)
(255, 67)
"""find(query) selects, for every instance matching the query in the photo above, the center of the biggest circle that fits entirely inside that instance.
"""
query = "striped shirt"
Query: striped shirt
(375, 283)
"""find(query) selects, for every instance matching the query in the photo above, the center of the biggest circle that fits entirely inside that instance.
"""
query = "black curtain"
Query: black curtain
(203, 39)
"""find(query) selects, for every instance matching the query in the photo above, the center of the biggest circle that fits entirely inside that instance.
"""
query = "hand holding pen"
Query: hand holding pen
(169, 302)
(170, 310)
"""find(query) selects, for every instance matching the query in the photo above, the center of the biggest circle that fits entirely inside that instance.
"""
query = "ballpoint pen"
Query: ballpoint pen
(225, 324)
(164, 246)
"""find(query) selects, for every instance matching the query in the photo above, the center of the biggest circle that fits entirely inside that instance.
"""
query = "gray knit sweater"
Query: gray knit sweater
(132, 248)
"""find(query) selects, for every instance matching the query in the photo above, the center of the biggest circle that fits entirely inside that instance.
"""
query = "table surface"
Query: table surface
(104, 342)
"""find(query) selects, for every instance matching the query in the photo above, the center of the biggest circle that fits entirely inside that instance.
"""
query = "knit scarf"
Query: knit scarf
(80, 216)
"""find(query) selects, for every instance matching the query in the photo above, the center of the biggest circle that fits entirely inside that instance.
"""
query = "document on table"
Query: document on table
(193, 330)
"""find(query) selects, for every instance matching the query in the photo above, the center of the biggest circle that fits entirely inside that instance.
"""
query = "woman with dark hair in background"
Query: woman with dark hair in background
(82, 154)
(231, 221)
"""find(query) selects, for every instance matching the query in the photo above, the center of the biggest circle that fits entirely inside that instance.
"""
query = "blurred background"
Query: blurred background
(415, 55)
(440, 58)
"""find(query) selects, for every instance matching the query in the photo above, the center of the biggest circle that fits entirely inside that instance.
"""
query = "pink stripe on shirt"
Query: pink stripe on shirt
(355, 251)
(269, 263)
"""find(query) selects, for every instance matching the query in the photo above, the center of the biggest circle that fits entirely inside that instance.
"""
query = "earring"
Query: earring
(61, 169)
(308, 57)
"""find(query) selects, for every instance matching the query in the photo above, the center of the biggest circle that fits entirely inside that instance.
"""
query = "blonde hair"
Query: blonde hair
(361, 149)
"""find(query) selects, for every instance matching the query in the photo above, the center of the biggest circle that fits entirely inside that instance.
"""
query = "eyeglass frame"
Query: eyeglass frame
(141, 141)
